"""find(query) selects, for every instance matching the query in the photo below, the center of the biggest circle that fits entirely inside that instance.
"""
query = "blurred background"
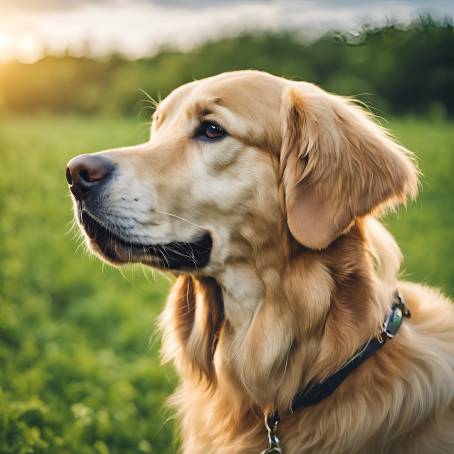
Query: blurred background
(79, 361)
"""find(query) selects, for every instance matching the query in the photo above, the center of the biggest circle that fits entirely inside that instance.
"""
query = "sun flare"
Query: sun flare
(5, 44)
(24, 47)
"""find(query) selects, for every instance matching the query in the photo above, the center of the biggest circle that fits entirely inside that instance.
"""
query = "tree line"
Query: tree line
(394, 69)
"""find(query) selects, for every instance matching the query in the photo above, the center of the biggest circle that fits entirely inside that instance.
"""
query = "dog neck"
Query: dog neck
(286, 326)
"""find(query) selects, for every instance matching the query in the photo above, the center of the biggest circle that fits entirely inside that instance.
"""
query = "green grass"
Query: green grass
(425, 230)
(78, 373)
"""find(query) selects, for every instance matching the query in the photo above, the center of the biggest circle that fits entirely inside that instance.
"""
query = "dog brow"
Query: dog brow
(202, 109)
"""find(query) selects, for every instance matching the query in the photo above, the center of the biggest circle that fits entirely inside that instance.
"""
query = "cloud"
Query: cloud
(140, 27)
(51, 5)
(48, 5)
(204, 4)
(60, 5)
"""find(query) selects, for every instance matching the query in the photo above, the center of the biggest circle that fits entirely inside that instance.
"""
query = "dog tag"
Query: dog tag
(271, 423)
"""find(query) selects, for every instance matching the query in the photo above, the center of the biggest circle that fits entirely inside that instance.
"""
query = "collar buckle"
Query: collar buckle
(398, 311)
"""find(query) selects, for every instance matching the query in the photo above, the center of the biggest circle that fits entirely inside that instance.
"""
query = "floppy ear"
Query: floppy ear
(337, 164)
(191, 321)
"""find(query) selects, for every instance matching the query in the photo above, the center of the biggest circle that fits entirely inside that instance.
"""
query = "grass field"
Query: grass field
(78, 372)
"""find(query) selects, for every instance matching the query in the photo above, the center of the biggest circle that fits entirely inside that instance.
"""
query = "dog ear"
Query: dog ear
(191, 322)
(337, 164)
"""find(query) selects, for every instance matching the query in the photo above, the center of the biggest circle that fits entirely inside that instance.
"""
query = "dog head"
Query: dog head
(232, 161)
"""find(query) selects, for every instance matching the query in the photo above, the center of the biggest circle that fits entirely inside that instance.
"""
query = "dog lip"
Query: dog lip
(174, 255)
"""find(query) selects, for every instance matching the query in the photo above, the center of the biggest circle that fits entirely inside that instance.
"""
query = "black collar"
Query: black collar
(314, 392)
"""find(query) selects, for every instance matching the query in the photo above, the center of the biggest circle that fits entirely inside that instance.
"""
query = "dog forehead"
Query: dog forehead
(242, 92)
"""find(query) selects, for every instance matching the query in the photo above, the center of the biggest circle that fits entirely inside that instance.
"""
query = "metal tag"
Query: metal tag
(271, 423)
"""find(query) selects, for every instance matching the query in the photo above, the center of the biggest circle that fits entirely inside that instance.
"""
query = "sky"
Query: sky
(140, 27)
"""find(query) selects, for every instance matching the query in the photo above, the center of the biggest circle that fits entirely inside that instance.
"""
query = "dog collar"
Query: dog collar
(315, 392)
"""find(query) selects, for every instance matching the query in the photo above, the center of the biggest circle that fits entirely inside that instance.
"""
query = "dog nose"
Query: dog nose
(85, 172)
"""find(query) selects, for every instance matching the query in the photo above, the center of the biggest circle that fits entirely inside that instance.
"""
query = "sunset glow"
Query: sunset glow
(6, 46)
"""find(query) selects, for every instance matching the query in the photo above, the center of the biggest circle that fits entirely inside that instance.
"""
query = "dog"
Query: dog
(287, 323)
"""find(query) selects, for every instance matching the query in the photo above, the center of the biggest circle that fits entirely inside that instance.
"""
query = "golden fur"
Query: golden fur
(302, 274)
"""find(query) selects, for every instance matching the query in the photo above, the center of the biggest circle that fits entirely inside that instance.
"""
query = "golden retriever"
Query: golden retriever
(261, 194)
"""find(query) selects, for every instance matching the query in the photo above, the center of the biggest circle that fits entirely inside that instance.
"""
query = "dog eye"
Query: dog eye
(210, 130)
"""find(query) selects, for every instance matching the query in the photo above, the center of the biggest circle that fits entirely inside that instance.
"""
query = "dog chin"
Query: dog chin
(175, 255)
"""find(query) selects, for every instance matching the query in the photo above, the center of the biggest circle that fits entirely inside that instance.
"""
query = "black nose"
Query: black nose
(85, 172)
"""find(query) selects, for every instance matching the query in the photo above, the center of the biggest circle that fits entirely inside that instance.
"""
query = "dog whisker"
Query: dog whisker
(180, 218)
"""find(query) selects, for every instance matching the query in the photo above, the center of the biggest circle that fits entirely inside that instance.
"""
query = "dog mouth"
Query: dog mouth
(176, 255)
